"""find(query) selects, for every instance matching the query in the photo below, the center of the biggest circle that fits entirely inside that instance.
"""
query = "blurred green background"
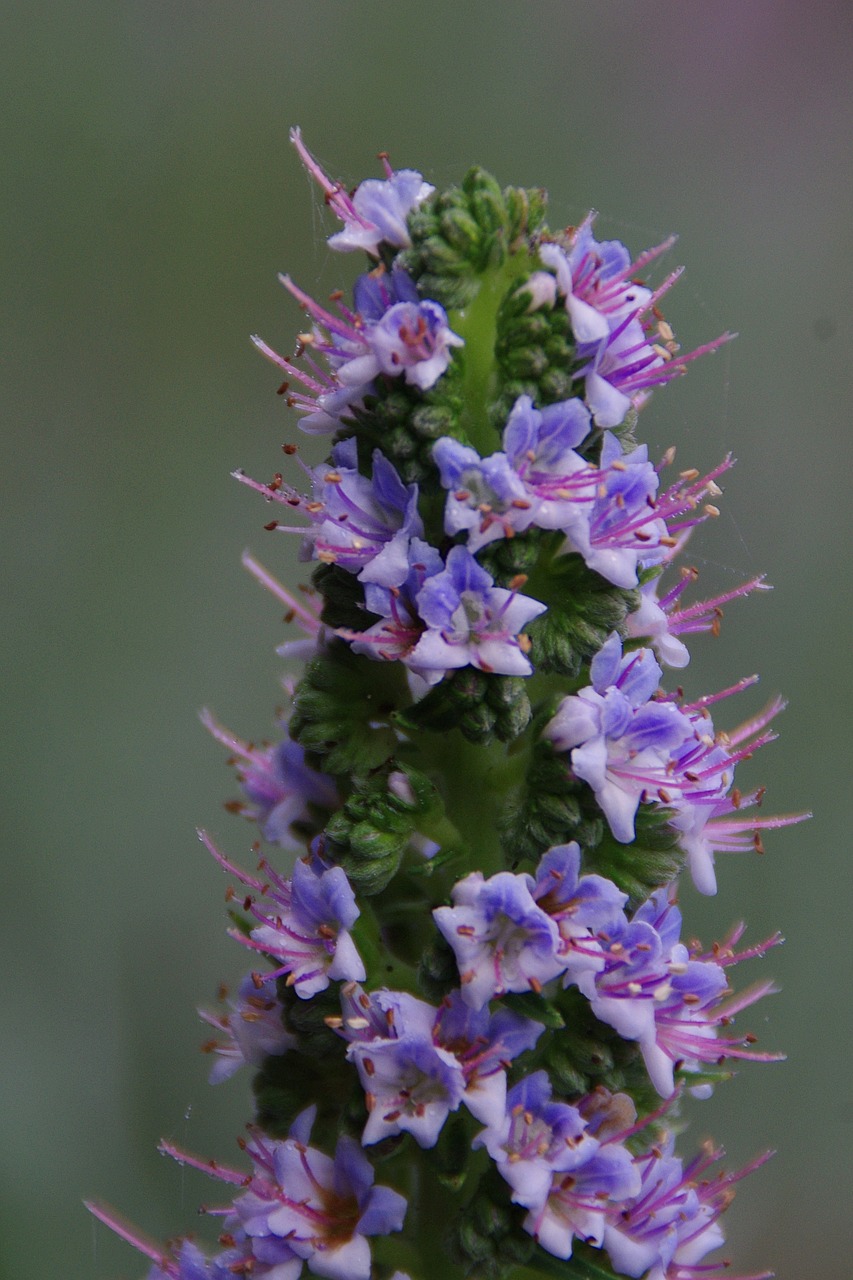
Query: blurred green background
(150, 198)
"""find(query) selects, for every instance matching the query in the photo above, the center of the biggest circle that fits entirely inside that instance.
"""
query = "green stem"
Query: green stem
(478, 325)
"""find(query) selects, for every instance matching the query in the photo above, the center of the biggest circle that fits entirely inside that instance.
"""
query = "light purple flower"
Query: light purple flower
(672, 1001)
(582, 907)
(279, 786)
(486, 498)
(625, 348)
(483, 1043)
(411, 1082)
(597, 279)
(364, 524)
(643, 1232)
(253, 1031)
(536, 1138)
(304, 923)
(300, 1205)
(503, 941)
(392, 331)
(620, 742)
(471, 622)
(376, 213)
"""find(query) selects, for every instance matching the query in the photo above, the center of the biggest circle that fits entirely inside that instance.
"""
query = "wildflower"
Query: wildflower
(624, 355)
(672, 1002)
(376, 213)
(470, 621)
(279, 786)
(411, 1082)
(392, 331)
(584, 908)
(659, 621)
(536, 1138)
(299, 1204)
(503, 941)
(253, 1031)
(484, 1044)
(305, 929)
(618, 737)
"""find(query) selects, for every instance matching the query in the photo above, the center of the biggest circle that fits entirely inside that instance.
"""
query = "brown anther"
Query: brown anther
(535, 985)
(283, 389)
(273, 524)
(516, 583)
(289, 449)
(369, 1066)
(257, 981)
(525, 644)
(711, 510)
(757, 842)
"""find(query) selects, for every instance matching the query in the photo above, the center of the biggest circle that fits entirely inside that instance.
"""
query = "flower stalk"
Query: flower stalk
(470, 1011)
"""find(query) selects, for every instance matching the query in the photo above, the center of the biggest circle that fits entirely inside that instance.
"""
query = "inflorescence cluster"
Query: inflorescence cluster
(471, 1013)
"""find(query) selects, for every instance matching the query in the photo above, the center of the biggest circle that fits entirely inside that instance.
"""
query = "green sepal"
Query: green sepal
(590, 1053)
(583, 609)
(535, 353)
(483, 707)
(450, 1158)
(370, 832)
(438, 973)
(342, 709)
(460, 233)
(584, 1264)
(316, 1071)
(405, 423)
(530, 1005)
(487, 1239)
(343, 598)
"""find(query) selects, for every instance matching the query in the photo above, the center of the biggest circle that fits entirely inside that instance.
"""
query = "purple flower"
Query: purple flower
(300, 1205)
(503, 941)
(363, 524)
(485, 496)
(643, 1233)
(411, 1086)
(304, 923)
(395, 636)
(471, 622)
(322, 1209)
(253, 1031)
(625, 353)
(537, 480)
(536, 1138)
(279, 786)
(483, 1044)
(661, 622)
(620, 742)
(411, 1081)
(392, 331)
(597, 280)
(670, 1000)
(377, 211)
(578, 1201)
(672, 1224)
(582, 907)
(410, 336)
